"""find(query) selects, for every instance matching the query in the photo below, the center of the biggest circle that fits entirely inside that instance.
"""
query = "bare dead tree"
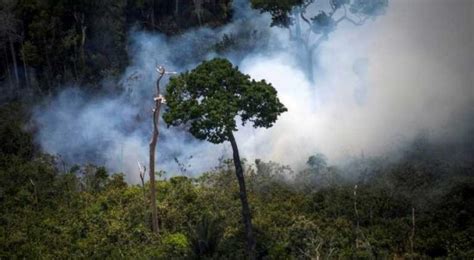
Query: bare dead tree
(142, 172)
(154, 139)
(158, 99)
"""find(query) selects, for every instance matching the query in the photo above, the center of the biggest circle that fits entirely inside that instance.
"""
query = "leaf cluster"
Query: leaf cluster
(210, 97)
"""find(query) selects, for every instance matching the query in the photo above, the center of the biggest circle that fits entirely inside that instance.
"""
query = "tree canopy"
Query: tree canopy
(210, 97)
(283, 12)
(309, 32)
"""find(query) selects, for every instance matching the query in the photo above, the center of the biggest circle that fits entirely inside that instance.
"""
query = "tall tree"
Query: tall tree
(208, 100)
(309, 33)
(158, 100)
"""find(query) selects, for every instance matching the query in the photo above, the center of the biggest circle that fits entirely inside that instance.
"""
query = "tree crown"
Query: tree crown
(209, 98)
(283, 11)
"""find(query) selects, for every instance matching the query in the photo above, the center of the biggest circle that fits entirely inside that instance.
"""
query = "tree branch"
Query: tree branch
(303, 10)
(347, 18)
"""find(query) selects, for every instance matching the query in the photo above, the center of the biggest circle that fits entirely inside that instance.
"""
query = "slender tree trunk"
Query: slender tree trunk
(80, 23)
(49, 72)
(198, 10)
(74, 61)
(15, 67)
(142, 179)
(7, 65)
(243, 198)
(153, 141)
(25, 69)
(83, 43)
(176, 7)
(309, 63)
(297, 26)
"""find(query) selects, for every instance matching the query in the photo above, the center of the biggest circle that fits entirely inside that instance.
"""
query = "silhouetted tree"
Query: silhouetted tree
(291, 14)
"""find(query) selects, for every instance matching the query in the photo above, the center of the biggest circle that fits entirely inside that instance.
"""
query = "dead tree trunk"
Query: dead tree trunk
(154, 139)
(142, 172)
(142, 179)
(246, 216)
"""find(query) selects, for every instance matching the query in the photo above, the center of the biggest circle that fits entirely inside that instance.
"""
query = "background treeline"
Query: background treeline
(52, 210)
(47, 43)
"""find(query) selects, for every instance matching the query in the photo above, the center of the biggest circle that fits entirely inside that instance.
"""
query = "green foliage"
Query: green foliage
(175, 246)
(59, 42)
(323, 23)
(15, 142)
(317, 162)
(211, 96)
(279, 10)
(205, 237)
(87, 213)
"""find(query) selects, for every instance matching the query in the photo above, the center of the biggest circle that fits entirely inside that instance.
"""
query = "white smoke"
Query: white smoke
(375, 86)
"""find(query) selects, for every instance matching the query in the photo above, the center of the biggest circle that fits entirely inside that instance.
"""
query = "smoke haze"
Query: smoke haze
(376, 86)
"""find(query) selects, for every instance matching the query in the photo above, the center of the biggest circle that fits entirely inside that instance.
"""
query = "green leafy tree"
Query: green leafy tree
(208, 100)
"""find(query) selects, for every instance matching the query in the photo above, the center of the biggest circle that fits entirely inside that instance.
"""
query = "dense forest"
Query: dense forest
(46, 44)
(416, 202)
(419, 205)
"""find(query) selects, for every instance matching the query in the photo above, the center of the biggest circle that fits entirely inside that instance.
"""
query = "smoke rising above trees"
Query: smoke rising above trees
(356, 105)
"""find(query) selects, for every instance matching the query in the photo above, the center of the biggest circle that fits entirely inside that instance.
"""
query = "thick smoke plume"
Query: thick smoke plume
(376, 86)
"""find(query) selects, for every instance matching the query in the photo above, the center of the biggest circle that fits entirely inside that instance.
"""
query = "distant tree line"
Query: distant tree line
(48, 43)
